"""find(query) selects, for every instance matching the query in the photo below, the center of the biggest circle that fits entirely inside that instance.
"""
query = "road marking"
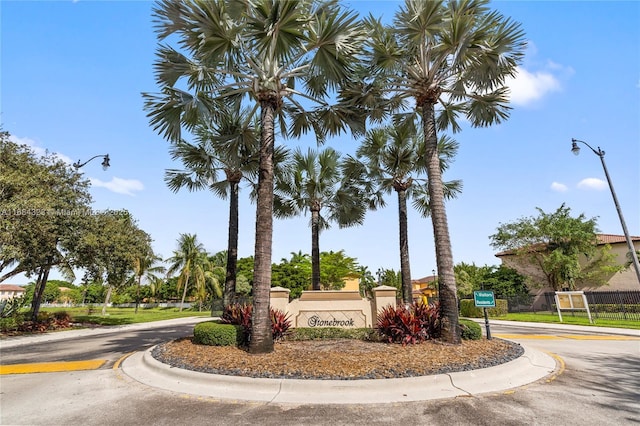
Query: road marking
(51, 367)
(582, 337)
(528, 336)
(563, 366)
(122, 358)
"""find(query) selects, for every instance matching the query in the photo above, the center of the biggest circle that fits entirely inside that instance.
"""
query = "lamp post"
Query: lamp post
(105, 161)
(600, 153)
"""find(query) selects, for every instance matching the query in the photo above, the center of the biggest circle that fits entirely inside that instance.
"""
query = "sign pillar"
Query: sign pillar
(485, 299)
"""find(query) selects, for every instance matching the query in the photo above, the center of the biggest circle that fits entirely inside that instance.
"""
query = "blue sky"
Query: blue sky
(72, 73)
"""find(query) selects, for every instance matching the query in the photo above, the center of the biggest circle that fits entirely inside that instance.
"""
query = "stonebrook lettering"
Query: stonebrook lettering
(315, 321)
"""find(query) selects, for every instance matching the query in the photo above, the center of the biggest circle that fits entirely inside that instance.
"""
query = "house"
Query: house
(9, 291)
(426, 286)
(622, 281)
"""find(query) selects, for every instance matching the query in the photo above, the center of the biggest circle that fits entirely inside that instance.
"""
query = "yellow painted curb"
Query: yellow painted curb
(582, 337)
(122, 358)
(528, 336)
(51, 367)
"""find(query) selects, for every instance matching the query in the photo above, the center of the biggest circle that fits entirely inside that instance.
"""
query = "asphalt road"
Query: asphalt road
(598, 385)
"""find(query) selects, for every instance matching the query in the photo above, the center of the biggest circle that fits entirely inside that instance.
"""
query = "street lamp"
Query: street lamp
(600, 153)
(105, 162)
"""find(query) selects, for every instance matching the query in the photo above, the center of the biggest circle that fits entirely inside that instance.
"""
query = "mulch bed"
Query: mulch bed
(339, 359)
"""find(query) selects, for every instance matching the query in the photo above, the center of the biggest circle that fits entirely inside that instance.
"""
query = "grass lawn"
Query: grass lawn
(548, 317)
(121, 316)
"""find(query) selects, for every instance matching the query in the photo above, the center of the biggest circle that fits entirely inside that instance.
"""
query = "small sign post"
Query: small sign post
(485, 299)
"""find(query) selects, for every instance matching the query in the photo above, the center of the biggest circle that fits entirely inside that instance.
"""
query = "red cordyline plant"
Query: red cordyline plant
(409, 325)
(238, 314)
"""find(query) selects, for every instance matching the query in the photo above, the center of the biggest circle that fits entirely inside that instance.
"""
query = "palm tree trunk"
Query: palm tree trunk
(106, 300)
(444, 256)
(315, 249)
(405, 268)
(232, 247)
(261, 333)
(184, 293)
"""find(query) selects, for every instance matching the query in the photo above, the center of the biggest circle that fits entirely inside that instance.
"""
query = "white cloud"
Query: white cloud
(592, 184)
(118, 185)
(559, 187)
(37, 149)
(528, 87)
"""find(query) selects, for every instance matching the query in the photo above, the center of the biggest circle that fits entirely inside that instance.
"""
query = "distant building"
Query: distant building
(9, 291)
(623, 281)
(426, 286)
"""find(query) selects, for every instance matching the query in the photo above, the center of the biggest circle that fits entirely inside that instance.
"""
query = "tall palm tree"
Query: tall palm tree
(314, 183)
(268, 52)
(455, 54)
(393, 157)
(226, 146)
(190, 260)
(145, 266)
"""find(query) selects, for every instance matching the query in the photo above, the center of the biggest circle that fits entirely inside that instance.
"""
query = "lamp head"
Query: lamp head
(105, 162)
(574, 147)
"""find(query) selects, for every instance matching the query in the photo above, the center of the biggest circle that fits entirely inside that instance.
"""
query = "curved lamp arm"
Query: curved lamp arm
(105, 162)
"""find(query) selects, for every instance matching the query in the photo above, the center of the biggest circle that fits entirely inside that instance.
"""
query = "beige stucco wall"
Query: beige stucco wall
(325, 308)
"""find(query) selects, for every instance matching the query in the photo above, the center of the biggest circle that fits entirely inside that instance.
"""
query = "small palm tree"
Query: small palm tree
(143, 268)
(314, 183)
(393, 157)
(190, 260)
(228, 147)
(455, 54)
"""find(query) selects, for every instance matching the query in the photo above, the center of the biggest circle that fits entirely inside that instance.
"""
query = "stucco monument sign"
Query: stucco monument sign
(338, 308)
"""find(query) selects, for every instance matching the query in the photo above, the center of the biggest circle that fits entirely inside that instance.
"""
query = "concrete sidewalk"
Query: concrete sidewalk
(562, 327)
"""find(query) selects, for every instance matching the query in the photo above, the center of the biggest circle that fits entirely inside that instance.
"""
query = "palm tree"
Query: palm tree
(190, 259)
(143, 267)
(269, 52)
(456, 54)
(314, 183)
(226, 146)
(393, 157)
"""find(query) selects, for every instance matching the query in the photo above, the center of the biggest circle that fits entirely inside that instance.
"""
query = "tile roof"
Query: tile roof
(11, 287)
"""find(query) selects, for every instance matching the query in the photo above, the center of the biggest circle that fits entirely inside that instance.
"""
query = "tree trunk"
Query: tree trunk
(184, 294)
(138, 294)
(38, 291)
(232, 247)
(261, 333)
(405, 268)
(444, 256)
(106, 300)
(315, 248)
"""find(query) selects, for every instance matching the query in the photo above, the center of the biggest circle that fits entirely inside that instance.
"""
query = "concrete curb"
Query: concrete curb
(530, 367)
(561, 327)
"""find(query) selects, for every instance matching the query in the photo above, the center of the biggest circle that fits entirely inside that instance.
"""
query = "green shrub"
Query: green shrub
(213, 333)
(470, 330)
(469, 310)
(320, 333)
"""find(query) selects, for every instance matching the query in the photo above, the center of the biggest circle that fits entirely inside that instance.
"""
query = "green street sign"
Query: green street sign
(484, 299)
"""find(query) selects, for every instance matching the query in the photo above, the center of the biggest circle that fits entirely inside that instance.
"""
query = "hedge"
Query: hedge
(213, 333)
(470, 330)
(469, 310)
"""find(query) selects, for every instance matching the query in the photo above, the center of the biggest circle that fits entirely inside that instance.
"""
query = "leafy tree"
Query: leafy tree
(269, 52)
(44, 203)
(109, 249)
(336, 266)
(294, 274)
(190, 260)
(367, 281)
(554, 243)
(314, 183)
(455, 55)
(391, 278)
(393, 157)
(504, 281)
